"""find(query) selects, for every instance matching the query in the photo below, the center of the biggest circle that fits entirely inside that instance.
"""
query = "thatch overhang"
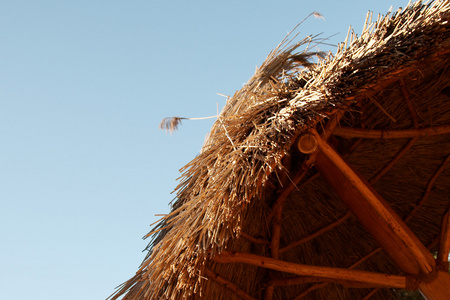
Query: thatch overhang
(326, 180)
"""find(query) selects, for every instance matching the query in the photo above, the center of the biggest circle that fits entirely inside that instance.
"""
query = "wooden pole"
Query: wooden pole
(341, 276)
(386, 227)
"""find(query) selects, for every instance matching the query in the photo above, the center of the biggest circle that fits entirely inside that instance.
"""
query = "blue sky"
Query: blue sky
(83, 88)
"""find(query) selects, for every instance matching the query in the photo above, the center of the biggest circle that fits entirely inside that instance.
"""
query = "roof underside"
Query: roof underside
(394, 77)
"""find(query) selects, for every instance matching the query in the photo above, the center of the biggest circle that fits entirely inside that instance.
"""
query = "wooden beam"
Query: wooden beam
(295, 280)
(374, 213)
(309, 279)
(324, 284)
(348, 132)
(338, 275)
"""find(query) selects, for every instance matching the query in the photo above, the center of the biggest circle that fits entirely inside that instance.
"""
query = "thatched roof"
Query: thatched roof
(382, 102)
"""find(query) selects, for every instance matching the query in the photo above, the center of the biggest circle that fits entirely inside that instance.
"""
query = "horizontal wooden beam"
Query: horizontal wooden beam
(373, 212)
(295, 280)
(338, 275)
(309, 279)
(348, 132)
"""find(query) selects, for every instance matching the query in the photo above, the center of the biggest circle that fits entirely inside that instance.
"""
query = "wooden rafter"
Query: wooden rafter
(338, 275)
(324, 284)
(305, 279)
(295, 280)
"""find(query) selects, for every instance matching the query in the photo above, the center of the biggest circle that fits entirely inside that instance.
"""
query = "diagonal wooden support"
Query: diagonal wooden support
(386, 227)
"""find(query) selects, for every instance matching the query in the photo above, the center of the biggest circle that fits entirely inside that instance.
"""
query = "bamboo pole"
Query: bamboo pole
(338, 275)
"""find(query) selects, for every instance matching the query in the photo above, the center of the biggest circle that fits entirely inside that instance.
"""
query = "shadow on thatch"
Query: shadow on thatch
(381, 101)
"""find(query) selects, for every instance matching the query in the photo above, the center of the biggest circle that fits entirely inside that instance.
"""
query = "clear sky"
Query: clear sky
(83, 88)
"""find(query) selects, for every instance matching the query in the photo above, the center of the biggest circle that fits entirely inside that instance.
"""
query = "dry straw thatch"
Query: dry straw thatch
(382, 102)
